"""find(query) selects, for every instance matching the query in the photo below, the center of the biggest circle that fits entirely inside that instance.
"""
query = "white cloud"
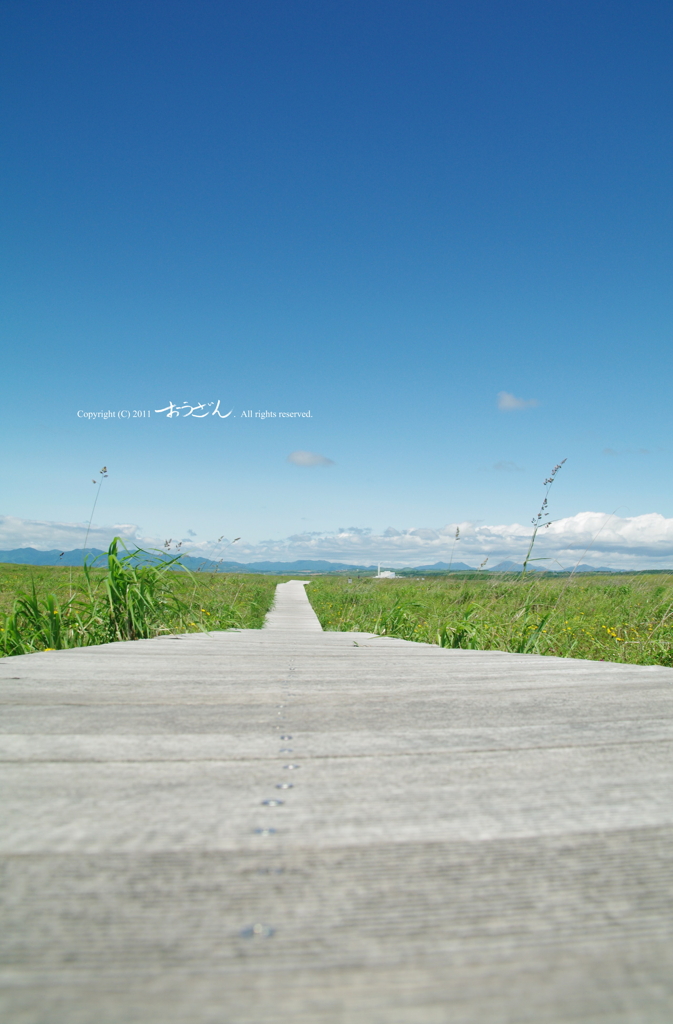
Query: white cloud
(627, 451)
(643, 542)
(47, 536)
(507, 402)
(308, 459)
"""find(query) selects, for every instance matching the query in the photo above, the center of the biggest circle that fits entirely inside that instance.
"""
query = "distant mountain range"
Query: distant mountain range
(31, 556)
(443, 566)
(514, 567)
(501, 567)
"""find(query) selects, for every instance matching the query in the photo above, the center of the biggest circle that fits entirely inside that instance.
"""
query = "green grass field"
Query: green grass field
(624, 618)
(45, 608)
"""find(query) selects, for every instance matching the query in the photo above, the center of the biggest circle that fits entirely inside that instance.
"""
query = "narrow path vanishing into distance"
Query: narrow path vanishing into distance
(291, 826)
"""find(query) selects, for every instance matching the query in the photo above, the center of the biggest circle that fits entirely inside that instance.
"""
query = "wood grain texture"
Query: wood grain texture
(470, 837)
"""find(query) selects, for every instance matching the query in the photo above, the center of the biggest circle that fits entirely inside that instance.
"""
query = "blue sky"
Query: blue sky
(385, 213)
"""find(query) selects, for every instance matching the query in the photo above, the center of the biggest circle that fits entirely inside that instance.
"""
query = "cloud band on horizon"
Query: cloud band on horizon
(644, 541)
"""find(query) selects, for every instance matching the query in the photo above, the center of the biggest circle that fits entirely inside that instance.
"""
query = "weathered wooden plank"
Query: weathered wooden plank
(468, 837)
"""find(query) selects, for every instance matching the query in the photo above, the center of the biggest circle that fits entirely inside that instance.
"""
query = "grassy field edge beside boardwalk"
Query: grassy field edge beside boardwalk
(52, 608)
(622, 619)
(600, 618)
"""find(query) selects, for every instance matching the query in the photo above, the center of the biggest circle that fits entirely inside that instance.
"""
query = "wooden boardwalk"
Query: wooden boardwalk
(286, 826)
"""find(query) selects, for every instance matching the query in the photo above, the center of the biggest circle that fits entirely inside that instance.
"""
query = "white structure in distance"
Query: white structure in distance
(385, 575)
